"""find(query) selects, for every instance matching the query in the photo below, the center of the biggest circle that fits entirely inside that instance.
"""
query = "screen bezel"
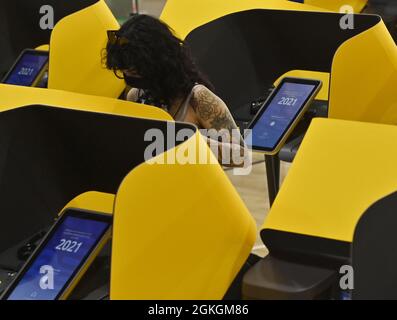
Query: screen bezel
(39, 73)
(70, 212)
(317, 85)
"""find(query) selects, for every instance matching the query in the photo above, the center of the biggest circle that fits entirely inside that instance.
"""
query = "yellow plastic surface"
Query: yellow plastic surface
(180, 231)
(336, 5)
(77, 44)
(341, 168)
(186, 15)
(44, 47)
(90, 201)
(17, 96)
(364, 77)
(323, 76)
(93, 201)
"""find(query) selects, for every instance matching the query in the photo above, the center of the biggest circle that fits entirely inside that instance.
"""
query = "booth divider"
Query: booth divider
(244, 53)
(189, 242)
(21, 19)
(12, 97)
(53, 156)
(50, 155)
(319, 221)
(186, 16)
(77, 49)
(364, 77)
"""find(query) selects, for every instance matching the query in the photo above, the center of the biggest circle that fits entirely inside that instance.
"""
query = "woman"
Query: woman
(160, 71)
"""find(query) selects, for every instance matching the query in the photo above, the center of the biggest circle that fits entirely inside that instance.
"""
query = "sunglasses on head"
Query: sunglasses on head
(114, 38)
(123, 74)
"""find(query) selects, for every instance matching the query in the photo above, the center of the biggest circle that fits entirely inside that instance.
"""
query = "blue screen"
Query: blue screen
(27, 69)
(66, 249)
(279, 115)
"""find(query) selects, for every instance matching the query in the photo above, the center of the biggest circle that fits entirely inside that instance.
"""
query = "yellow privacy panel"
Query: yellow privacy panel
(93, 201)
(336, 5)
(185, 16)
(364, 77)
(77, 44)
(341, 168)
(180, 231)
(323, 76)
(44, 47)
(17, 96)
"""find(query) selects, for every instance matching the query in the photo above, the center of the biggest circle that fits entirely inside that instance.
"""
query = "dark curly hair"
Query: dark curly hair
(151, 48)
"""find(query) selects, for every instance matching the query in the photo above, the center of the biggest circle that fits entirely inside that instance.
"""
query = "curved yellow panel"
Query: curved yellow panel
(341, 168)
(180, 231)
(77, 44)
(364, 77)
(323, 76)
(93, 201)
(17, 96)
(44, 47)
(336, 5)
(185, 16)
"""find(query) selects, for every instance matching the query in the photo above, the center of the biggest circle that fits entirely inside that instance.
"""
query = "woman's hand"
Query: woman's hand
(132, 95)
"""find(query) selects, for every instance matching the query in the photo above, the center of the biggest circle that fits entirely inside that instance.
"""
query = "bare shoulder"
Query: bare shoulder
(202, 94)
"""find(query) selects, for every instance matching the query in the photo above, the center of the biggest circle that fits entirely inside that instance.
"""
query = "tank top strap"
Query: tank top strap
(182, 111)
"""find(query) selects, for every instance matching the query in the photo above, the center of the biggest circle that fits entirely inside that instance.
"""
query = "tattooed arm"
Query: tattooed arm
(212, 113)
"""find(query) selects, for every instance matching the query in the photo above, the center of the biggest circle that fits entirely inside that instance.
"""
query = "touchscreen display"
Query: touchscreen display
(27, 69)
(271, 124)
(65, 251)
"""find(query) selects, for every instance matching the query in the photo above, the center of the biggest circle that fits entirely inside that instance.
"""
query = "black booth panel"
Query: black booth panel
(49, 155)
(20, 25)
(306, 249)
(7, 56)
(387, 9)
(243, 53)
(374, 252)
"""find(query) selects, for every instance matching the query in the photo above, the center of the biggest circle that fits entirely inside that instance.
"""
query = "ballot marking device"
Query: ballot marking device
(62, 258)
(280, 113)
(28, 69)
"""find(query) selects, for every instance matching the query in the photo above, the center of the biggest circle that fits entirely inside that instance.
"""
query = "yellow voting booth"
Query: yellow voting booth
(341, 170)
(28, 109)
(204, 237)
(314, 224)
(76, 42)
(76, 56)
(364, 72)
(339, 5)
(12, 97)
(313, 45)
(357, 78)
(89, 152)
(185, 16)
(329, 203)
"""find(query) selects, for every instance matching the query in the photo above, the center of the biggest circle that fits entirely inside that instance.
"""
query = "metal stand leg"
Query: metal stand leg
(273, 176)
